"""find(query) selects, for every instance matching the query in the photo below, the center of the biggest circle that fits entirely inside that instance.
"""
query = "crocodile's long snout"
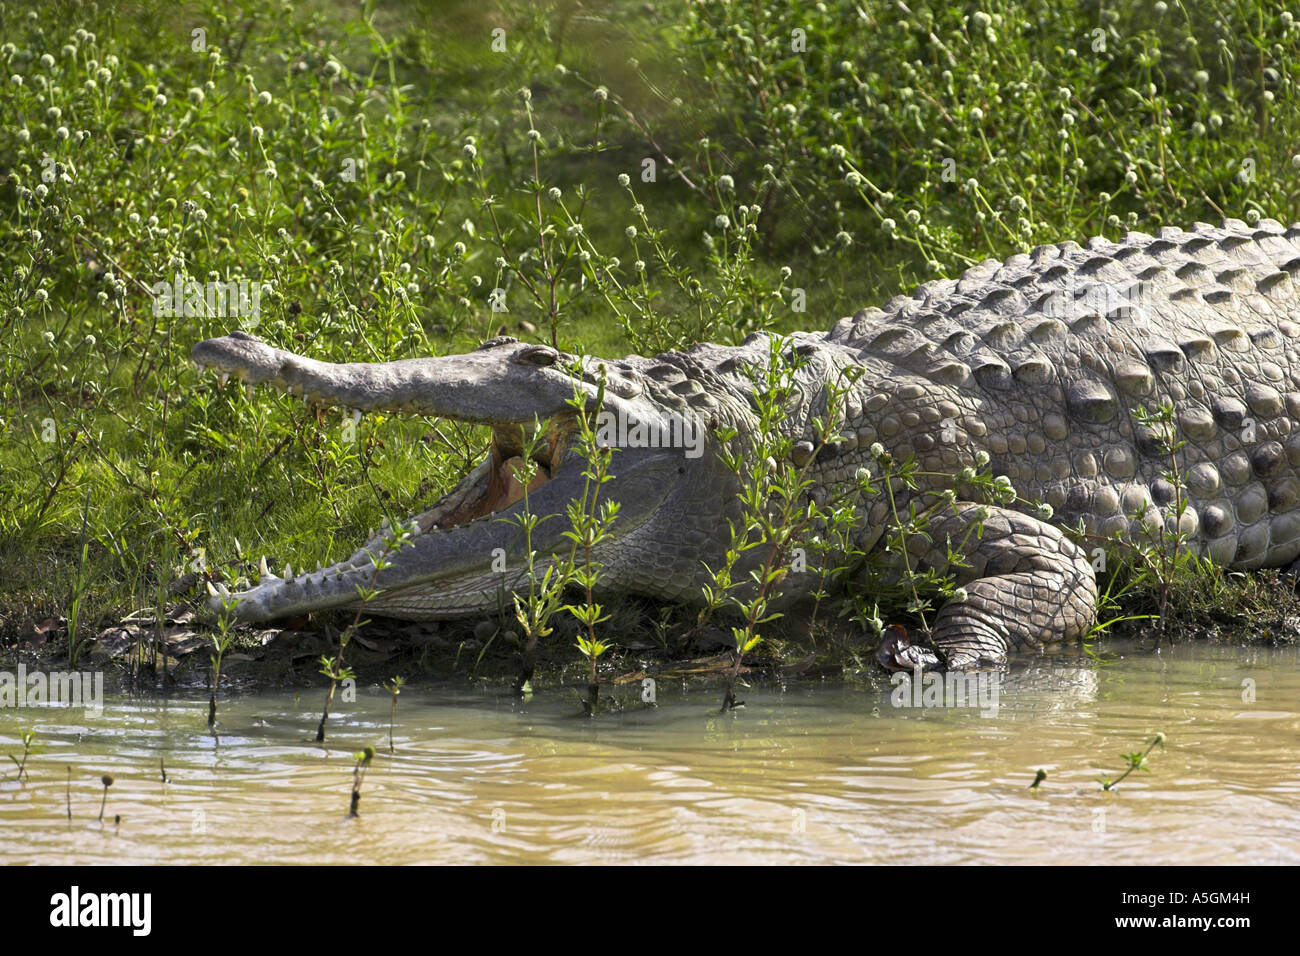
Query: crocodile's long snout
(504, 382)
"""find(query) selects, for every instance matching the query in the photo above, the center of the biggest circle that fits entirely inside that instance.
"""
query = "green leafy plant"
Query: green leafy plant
(394, 688)
(363, 758)
(333, 667)
(589, 524)
(221, 642)
(28, 750)
(1136, 761)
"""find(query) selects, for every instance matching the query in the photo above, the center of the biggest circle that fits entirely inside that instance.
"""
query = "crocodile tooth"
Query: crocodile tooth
(319, 566)
(225, 377)
(288, 572)
(263, 571)
(213, 591)
(416, 530)
(224, 591)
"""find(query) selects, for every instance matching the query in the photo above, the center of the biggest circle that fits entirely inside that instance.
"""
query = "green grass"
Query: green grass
(381, 171)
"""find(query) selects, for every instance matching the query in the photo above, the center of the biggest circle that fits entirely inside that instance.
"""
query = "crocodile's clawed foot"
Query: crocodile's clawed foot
(898, 653)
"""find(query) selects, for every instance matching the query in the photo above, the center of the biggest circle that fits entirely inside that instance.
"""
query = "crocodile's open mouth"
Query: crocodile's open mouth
(466, 552)
(490, 495)
(497, 484)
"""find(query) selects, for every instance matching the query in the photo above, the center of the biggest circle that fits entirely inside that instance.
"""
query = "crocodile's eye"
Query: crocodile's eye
(539, 355)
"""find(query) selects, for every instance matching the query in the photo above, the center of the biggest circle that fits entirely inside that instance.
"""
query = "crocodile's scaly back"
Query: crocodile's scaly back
(1044, 359)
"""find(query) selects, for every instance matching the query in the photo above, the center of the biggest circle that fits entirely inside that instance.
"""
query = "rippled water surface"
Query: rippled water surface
(814, 772)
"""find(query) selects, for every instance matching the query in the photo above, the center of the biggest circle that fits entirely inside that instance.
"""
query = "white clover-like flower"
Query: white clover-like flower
(264, 98)
(630, 232)
(331, 68)
(554, 193)
(47, 61)
(726, 183)
(624, 180)
(196, 95)
(470, 150)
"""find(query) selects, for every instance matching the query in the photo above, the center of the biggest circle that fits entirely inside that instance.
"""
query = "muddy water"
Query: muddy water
(812, 772)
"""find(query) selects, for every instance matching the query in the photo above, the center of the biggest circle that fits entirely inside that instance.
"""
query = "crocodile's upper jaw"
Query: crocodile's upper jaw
(465, 554)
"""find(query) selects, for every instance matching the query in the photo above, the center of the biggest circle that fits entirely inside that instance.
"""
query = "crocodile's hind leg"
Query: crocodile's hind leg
(1027, 585)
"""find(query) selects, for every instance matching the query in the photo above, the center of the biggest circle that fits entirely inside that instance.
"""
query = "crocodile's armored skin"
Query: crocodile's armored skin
(1041, 361)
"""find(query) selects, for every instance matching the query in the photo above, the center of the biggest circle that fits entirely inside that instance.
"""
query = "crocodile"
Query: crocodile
(1038, 367)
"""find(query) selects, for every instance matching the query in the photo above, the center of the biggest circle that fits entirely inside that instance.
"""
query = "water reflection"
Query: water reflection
(816, 772)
